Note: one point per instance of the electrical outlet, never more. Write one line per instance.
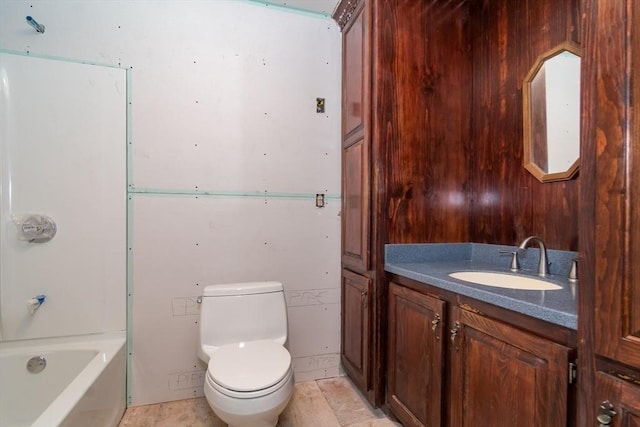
(319, 200)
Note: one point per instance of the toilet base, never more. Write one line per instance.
(262, 411)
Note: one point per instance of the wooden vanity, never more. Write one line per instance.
(461, 354)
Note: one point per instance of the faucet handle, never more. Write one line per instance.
(515, 261)
(573, 272)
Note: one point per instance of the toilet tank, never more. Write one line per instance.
(237, 312)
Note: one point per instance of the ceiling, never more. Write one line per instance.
(325, 7)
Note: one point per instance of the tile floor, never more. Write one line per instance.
(332, 402)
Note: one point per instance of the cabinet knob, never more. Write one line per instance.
(434, 326)
(454, 334)
(606, 414)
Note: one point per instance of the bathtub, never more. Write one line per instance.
(83, 383)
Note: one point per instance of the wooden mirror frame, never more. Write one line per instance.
(528, 128)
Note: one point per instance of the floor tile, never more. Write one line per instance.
(308, 407)
(183, 413)
(348, 406)
(330, 402)
(378, 422)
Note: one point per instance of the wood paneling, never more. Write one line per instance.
(508, 203)
(421, 119)
(447, 122)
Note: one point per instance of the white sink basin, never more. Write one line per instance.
(504, 280)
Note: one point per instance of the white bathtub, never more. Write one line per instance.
(83, 383)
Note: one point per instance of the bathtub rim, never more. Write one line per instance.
(108, 345)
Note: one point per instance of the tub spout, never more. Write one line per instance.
(34, 303)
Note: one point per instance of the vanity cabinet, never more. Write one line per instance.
(451, 365)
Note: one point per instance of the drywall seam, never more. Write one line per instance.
(291, 9)
(222, 193)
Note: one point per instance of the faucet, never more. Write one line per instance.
(543, 264)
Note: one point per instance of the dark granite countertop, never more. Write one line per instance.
(432, 264)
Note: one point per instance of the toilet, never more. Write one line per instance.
(243, 332)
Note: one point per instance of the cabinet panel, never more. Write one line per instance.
(356, 327)
(617, 293)
(496, 366)
(355, 206)
(355, 57)
(623, 396)
(415, 359)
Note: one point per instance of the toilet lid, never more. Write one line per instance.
(249, 366)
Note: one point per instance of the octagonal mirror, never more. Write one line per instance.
(551, 95)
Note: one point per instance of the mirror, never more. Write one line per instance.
(551, 95)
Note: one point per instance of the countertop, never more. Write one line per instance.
(431, 263)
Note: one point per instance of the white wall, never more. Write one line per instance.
(226, 155)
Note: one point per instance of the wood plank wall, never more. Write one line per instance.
(509, 203)
(448, 121)
(423, 119)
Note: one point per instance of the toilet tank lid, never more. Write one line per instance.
(242, 289)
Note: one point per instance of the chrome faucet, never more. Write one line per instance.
(543, 264)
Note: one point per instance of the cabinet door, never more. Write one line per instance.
(616, 245)
(502, 376)
(355, 327)
(355, 73)
(624, 398)
(415, 359)
(355, 206)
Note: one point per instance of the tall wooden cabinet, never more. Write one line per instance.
(359, 331)
(610, 226)
(399, 185)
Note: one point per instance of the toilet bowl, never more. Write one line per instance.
(249, 378)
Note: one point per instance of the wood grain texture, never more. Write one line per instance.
(355, 206)
(585, 411)
(508, 203)
(415, 384)
(421, 119)
(495, 366)
(356, 319)
(611, 302)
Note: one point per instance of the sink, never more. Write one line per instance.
(505, 280)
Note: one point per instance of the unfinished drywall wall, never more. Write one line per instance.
(226, 156)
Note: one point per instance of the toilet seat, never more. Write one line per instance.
(210, 382)
(249, 369)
